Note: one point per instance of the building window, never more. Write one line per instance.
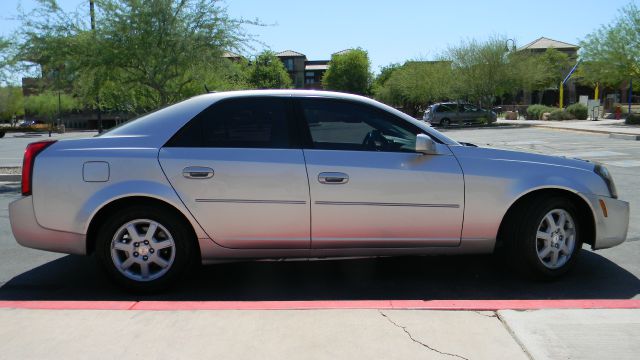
(309, 81)
(288, 64)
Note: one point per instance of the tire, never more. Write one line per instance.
(153, 259)
(543, 238)
(445, 122)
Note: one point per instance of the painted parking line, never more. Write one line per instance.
(623, 163)
(525, 142)
(592, 154)
(475, 305)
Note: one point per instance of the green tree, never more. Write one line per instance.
(268, 72)
(481, 70)
(5, 59)
(531, 71)
(611, 54)
(147, 53)
(415, 84)
(350, 72)
(46, 105)
(11, 102)
(385, 74)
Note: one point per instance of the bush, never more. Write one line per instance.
(511, 115)
(578, 111)
(633, 119)
(558, 114)
(534, 112)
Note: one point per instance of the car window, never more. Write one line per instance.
(470, 108)
(341, 125)
(238, 123)
(446, 108)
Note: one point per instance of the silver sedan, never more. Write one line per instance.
(300, 174)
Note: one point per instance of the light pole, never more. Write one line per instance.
(92, 14)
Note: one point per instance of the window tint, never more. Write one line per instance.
(340, 125)
(446, 108)
(470, 108)
(242, 123)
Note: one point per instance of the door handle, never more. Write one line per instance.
(333, 178)
(197, 172)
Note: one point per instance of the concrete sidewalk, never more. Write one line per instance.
(600, 126)
(320, 334)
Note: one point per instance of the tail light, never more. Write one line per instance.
(30, 154)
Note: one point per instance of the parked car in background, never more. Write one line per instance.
(26, 123)
(303, 174)
(445, 114)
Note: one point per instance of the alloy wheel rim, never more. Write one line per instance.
(143, 250)
(555, 238)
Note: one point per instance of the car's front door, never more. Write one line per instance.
(368, 186)
(237, 170)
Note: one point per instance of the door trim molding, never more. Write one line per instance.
(366, 203)
(254, 201)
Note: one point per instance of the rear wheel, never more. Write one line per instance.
(144, 249)
(544, 237)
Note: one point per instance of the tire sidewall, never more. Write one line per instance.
(527, 249)
(181, 238)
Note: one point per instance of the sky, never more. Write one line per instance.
(394, 31)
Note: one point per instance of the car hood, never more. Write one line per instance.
(520, 156)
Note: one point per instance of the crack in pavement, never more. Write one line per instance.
(404, 328)
(485, 315)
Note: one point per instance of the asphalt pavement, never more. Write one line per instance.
(12, 145)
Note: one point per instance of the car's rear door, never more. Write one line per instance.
(471, 113)
(369, 188)
(237, 169)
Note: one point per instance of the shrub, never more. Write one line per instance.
(534, 112)
(511, 115)
(578, 111)
(633, 119)
(558, 114)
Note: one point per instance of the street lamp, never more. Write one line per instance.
(92, 15)
(506, 45)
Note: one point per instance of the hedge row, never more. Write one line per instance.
(633, 119)
(575, 111)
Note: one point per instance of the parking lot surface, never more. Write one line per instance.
(27, 274)
(12, 145)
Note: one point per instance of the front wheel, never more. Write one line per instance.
(545, 238)
(144, 249)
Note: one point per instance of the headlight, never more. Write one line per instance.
(606, 176)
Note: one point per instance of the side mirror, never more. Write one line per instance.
(425, 144)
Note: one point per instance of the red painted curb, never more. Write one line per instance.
(489, 305)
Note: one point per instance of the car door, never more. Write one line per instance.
(368, 186)
(449, 112)
(471, 113)
(236, 168)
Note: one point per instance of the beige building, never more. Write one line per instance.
(305, 74)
